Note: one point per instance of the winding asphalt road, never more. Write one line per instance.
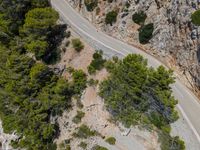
(189, 105)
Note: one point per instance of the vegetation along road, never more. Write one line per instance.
(188, 104)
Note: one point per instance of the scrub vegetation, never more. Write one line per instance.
(196, 17)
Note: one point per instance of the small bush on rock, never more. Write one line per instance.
(77, 45)
(145, 33)
(111, 140)
(139, 17)
(196, 17)
(111, 17)
(90, 4)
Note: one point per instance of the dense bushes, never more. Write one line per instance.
(34, 30)
(79, 81)
(135, 94)
(91, 4)
(111, 17)
(40, 24)
(77, 45)
(83, 145)
(97, 147)
(13, 14)
(31, 99)
(196, 17)
(111, 140)
(84, 132)
(38, 48)
(170, 143)
(139, 17)
(134, 89)
(30, 93)
(78, 117)
(40, 19)
(97, 62)
(33, 94)
(145, 33)
(109, 1)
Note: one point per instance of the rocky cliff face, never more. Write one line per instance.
(175, 38)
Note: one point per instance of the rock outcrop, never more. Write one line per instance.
(176, 41)
(5, 139)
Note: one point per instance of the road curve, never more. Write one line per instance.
(189, 104)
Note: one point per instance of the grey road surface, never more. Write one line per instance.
(188, 104)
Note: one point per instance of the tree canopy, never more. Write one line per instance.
(40, 18)
(137, 95)
(146, 33)
(111, 17)
(31, 94)
(37, 47)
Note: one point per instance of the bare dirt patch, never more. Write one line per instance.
(74, 59)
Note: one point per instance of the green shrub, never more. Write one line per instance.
(170, 143)
(67, 34)
(111, 140)
(39, 48)
(109, 1)
(97, 62)
(79, 80)
(97, 147)
(196, 17)
(77, 45)
(39, 3)
(40, 19)
(109, 65)
(40, 73)
(68, 147)
(145, 33)
(111, 17)
(70, 69)
(91, 69)
(83, 145)
(90, 4)
(92, 82)
(79, 103)
(127, 5)
(139, 17)
(61, 145)
(84, 132)
(78, 117)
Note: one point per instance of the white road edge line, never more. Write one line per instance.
(178, 106)
(89, 34)
(189, 123)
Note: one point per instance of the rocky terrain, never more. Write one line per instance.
(175, 38)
